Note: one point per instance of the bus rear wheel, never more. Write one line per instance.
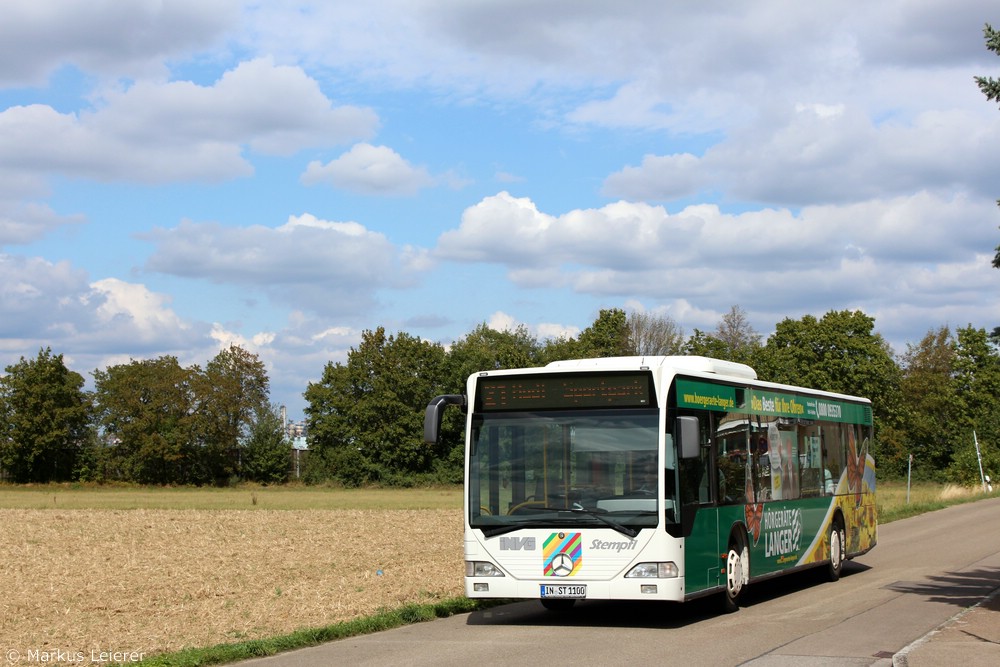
(737, 573)
(837, 541)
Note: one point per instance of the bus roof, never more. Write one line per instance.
(691, 364)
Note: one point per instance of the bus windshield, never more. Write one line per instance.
(565, 468)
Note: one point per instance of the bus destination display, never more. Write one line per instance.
(548, 392)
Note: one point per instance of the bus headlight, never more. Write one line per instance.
(653, 571)
(481, 568)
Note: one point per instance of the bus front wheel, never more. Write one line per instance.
(837, 545)
(737, 573)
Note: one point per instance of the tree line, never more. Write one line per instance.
(155, 422)
(148, 421)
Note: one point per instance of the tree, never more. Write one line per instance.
(736, 332)
(991, 88)
(266, 449)
(485, 349)
(145, 410)
(561, 348)
(608, 336)
(931, 404)
(44, 419)
(653, 335)
(734, 339)
(366, 417)
(977, 392)
(988, 85)
(839, 352)
(231, 391)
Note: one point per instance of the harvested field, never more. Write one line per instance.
(160, 580)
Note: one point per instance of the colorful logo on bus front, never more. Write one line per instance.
(562, 554)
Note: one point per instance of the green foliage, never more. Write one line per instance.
(160, 423)
(704, 344)
(486, 349)
(366, 417)
(145, 409)
(931, 405)
(558, 349)
(165, 424)
(44, 419)
(266, 449)
(988, 85)
(977, 396)
(991, 88)
(230, 393)
(964, 468)
(839, 352)
(608, 336)
(378, 622)
(734, 339)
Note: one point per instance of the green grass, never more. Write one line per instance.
(896, 502)
(225, 653)
(292, 497)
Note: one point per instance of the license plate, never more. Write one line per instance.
(564, 591)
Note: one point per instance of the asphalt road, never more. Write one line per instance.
(923, 572)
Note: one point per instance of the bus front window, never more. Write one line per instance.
(564, 469)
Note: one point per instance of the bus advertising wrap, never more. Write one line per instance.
(720, 397)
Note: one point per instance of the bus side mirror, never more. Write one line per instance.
(432, 415)
(688, 436)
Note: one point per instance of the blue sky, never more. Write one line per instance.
(179, 176)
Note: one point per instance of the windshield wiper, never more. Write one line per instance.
(603, 517)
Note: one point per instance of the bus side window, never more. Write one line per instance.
(732, 458)
(834, 447)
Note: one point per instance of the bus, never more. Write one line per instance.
(656, 478)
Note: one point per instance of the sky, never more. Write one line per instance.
(177, 176)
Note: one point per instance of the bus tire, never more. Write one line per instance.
(837, 541)
(557, 604)
(737, 572)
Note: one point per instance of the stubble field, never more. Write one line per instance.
(157, 580)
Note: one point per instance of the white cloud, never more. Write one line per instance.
(105, 37)
(134, 312)
(37, 296)
(307, 263)
(370, 170)
(820, 154)
(29, 221)
(501, 321)
(871, 255)
(94, 324)
(660, 177)
(180, 131)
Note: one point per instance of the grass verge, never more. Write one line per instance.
(386, 620)
(896, 501)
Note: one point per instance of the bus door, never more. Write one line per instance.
(702, 560)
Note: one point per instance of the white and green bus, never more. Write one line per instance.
(656, 478)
